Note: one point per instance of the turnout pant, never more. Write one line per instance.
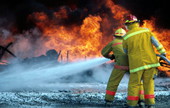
(147, 76)
(113, 83)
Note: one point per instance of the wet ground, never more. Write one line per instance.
(77, 95)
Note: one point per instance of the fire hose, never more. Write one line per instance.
(167, 64)
(164, 58)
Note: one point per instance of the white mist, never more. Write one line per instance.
(21, 77)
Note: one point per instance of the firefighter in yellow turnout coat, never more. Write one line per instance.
(138, 44)
(120, 66)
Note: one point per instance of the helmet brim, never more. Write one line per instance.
(118, 35)
(128, 23)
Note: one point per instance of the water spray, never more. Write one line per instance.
(18, 77)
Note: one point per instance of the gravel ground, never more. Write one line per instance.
(86, 95)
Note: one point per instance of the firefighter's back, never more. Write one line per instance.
(140, 49)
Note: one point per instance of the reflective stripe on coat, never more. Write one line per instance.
(140, 50)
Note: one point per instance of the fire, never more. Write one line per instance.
(62, 14)
(75, 41)
(163, 36)
(3, 62)
(118, 11)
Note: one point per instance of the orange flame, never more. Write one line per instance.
(118, 11)
(82, 41)
(62, 14)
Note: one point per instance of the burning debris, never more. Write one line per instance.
(51, 56)
(5, 49)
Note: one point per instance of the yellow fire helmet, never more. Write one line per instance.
(120, 32)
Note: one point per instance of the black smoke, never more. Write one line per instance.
(145, 9)
(14, 14)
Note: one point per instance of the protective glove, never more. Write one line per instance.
(112, 56)
(164, 54)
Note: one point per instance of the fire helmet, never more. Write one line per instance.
(131, 19)
(120, 32)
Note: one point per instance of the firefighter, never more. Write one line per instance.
(120, 66)
(138, 44)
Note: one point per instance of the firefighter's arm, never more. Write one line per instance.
(158, 45)
(106, 51)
